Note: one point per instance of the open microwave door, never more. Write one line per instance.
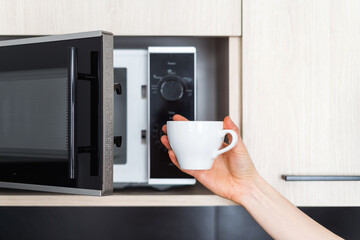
(56, 113)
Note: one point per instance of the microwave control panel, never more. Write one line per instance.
(171, 91)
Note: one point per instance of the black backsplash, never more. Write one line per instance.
(210, 223)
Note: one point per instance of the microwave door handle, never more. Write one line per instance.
(72, 82)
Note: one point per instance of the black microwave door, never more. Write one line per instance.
(56, 113)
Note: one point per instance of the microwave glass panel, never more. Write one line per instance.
(34, 113)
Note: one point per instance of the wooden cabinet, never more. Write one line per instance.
(297, 103)
(122, 17)
(301, 96)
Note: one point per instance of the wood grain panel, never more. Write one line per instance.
(196, 195)
(235, 79)
(121, 17)
(112, 201)
(301, 95)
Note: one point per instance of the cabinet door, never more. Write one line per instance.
(301, 96)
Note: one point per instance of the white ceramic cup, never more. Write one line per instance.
(196, 143)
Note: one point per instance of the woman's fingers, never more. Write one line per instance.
(229, 124)
(175, 161)
(178, 117)
(165, 140)
(164, 129)
(173, 158)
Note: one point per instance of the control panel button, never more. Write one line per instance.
(172, 89)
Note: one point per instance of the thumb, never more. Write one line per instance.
(229, 124)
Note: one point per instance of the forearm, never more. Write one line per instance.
(278, 216)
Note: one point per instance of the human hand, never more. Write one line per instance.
(232, 173)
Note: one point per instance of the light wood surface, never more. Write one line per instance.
(181, 196)
(301, 95)
(235, 79)
(122, 17)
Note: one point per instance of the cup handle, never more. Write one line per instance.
(231, 145)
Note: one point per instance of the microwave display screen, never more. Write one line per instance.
(34, 114)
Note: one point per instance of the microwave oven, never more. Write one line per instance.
(57, 113)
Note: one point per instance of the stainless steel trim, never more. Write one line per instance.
(72, 82)
(54, 38)
(320, 178)
(44, 188)
(108, 113)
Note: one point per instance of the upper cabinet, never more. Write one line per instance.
(122, 17)
(301, 97)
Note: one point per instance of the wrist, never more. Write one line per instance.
(247, 190)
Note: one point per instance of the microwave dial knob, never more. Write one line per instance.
(172, 88)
